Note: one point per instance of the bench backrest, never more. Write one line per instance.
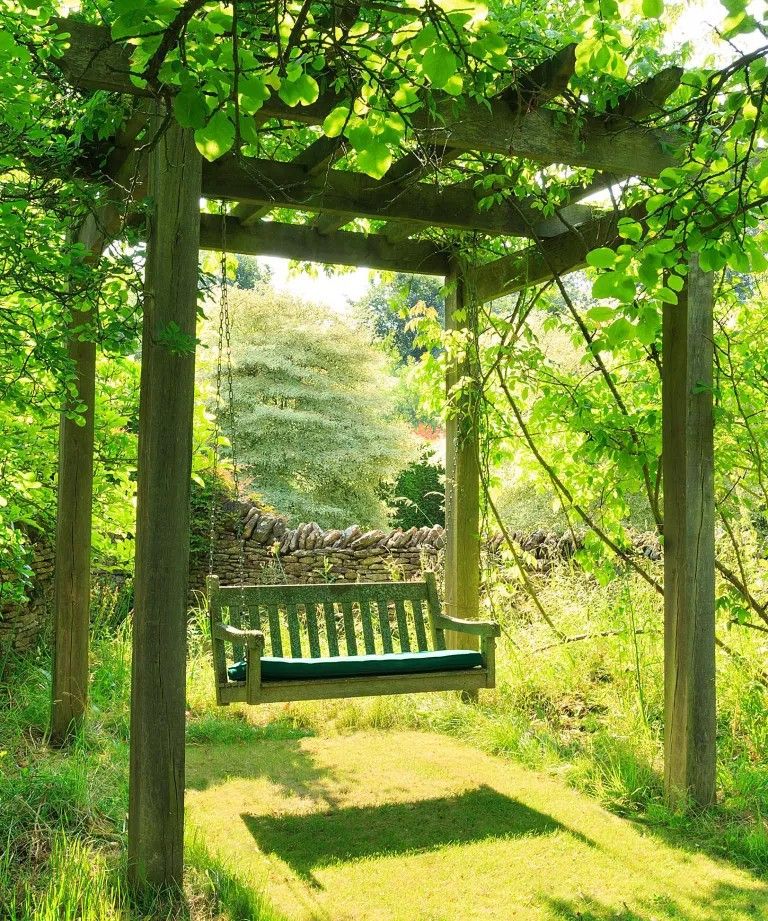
(332, 619)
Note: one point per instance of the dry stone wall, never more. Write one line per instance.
(22, 623)
(273, 552)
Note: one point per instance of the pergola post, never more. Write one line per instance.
(689, 544)
(156, 794)
(72, 570)
(462, 476)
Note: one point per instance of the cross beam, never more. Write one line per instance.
(273, 184)
(558, 255)
(298, 241)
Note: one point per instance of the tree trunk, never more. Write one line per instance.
(156, 795)
(689, 545)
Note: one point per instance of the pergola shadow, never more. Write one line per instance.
(723, 901)
(319, 839)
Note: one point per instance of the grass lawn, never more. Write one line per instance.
(414, 826)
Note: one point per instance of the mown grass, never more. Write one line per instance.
(589, 711)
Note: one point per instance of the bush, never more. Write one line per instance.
(417, 496)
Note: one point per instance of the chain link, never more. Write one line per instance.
(224, 367)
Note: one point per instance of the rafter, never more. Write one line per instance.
(296, 241)
(544, 136)
(314, 159)
(543, 83)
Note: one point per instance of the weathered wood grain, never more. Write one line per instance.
(72, 570)
(689, 544)
(156, 796)
(293, 241)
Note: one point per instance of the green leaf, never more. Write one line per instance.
(190, 109)
(253, 93)
(620, 331)
(653, 9)
(675, 282)
(630, 230)
(439, 64)
(335, 121)
(602, 258)
(375, 159)
(601, 314)
(304, 90)
(614, 284)
(217, 137)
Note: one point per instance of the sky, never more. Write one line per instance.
(696, 23)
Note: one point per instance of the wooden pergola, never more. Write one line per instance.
(323, 198)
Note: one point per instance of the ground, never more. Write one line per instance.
(413, 826)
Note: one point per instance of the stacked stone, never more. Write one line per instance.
(271, 551)
(22, 623)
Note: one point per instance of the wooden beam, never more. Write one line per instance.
(297, 241)
(93, 61)
(542, 261)
(689, 544)
(462, 479)
(647, 99)
(72, 570)
(540, 85)
(286, 185)
(545, 82)
(315, 159)
(156, 793)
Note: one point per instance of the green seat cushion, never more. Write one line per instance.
(393, 663)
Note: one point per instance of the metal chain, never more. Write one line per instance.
(217, 424)
(226, 323)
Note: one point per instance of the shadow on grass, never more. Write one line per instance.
(715, 904)
(307, 842)
(281, 761)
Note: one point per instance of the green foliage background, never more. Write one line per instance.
(315, 432)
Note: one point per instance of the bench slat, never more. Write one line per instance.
(275, 636)
(422, 641)
(294, 631)
(349, 628)
(320, 592)
(236, 620)
(402, 626)
(331, 631)
(384, 625)
(365, 618)
(312, 632)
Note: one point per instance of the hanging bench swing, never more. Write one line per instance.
(260, 633)
(313, 642)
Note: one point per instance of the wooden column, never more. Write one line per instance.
(689, 544)
(156, 795)
(72, 572)
(462, 480)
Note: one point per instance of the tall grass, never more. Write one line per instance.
(63, 813)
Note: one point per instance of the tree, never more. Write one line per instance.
(314, 425)
(418, 494)
(387, 307)
(249, 273)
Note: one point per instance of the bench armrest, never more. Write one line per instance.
(253, 639)
(474, 627)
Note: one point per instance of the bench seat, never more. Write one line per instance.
(409, 663)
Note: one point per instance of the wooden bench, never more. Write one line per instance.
(379, 626)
